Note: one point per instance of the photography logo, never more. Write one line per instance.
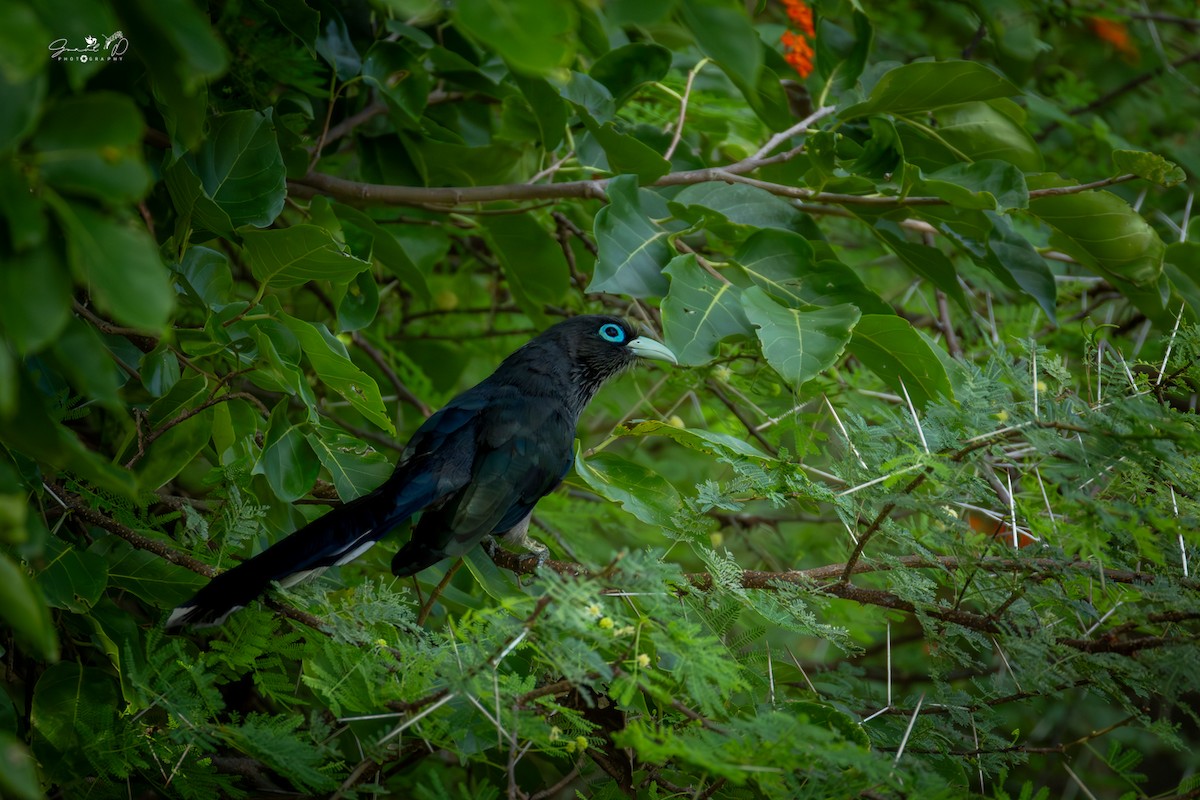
(113, 49)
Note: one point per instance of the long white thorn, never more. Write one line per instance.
(845, 433)
(908, 731)
(1035, 382)
(1170, 343)
(916, 420)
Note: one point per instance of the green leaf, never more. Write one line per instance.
(890, 347)
(35, 298)
(640, 491)
(717, 444)
(533, 36)
(840, 56)
(627, 154)
(354, 466)
(385, 247)
(147, 576)
(192, 204)
(746, 206)
(533, 263)
(549, 110)
(1152, 167)
(167, 455)
(1102, 231)
(699, 311)
(206, 272)
(22, 52)
(24, 210)
(83, 358)
(781, 263)
(22, 100)
(333, 366)
(988, 184)
(241, 168)
(72, 579)
(185, 393)
(287, 459)
(74, 706)
(92, 145)
(26, 426)
(24, 610)
(18, 770)
(799, 344)
(926, 85)
(120, 265)
(359, 303)
(1011, 253)
(400, 77)
(971, 132)
(724, 34)
(632, 249)
(293, 256)
(623, 70)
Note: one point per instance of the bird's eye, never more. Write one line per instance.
(612, 333)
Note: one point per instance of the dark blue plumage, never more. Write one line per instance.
(476, 467)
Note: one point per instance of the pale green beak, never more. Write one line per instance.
(648, 348)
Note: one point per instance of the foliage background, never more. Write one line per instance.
(914, 519)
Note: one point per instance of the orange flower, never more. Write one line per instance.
(797, 50)
(799, 13)
(1116, 34)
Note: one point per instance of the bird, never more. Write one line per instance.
(475, 468)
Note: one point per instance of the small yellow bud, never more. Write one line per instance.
(570, 747)
(1001, 415)
(676, 421)
(555, 733)
(717, 538)
(594, 609)
(1042, 386)
(643, 660)
(581, 742)
(381, 643)
(722, 373)
(607, 623)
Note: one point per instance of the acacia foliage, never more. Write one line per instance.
(912, 520)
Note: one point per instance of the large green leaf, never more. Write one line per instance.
(928, 262)
(355, 467)
(973, 132)
(144, 574)
(92, 145)
(533, 262)
(35, 298)
(18, 770)
(716, 444)
(989, 184)
(241, 168)
(333, 366)
(1150, 166)
(72, 579)
(385, 247)
(1102, 231)
(193, 206)
(926, 85)
(799, 344)
(642, 492)
(633, 248)
(782, 264)
(24, 611)
(400, 77)
(292, 256)
(749, 207)
(699, 312)
(120, 265)
(75, 706)
(533, 36)
(167, 455)
(627, 154)
(891, 348)
(287, 459)
(623, 70)
(724, 34)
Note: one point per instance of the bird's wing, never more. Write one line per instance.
(522, 451)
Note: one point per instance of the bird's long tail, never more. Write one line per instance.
(338, 537)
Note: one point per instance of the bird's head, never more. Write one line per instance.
(595, 347)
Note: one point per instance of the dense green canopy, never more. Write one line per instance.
(915, 516)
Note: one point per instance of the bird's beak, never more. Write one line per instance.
(648, 348)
